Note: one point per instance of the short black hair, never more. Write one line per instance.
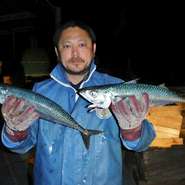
(73, 23)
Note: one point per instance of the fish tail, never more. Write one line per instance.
(86, 136)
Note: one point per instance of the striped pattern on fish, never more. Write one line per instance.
(48, 109)
(102, 96)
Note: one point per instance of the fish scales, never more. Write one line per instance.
(44, 106)
(47, 109)
(102, 96)
(155, 92)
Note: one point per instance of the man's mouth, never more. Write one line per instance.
(76, 61)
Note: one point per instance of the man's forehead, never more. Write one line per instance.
(74, 33)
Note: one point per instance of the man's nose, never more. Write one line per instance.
(75, 52)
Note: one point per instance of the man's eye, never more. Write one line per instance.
(66, 46)
(82, 45)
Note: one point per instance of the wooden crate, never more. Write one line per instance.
(164, 161)
(169, 125)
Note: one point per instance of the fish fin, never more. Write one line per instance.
(180, 91)
(44, 116)
(118, 98)
(132, 81)
(47, 118)
(91, 107)
(163, 85)
(86, 137)
(161, 103)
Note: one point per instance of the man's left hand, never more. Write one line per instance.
(130, 113)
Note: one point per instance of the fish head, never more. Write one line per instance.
(98, 97)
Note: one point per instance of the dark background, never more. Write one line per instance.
(134, 40)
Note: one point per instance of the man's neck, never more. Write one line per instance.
(76, 79)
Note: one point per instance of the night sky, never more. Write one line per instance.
(136, 40)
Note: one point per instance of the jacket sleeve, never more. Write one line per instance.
(24, 145)
(147, 136)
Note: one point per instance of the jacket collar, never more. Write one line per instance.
(59, 75)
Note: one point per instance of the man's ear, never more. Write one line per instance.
(56, 51)
(94, 48)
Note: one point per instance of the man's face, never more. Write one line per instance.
(75, 50)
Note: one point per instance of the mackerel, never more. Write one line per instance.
(47, 109)
(102, 96)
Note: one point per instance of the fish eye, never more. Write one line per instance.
(93, 94)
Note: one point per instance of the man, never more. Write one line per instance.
(61, 157)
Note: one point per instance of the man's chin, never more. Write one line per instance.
(76, 72)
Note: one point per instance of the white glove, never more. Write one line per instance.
(18, 113)
(130, 112)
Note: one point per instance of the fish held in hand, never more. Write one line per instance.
(47, 109)
(102, 96)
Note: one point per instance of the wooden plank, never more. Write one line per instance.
(164, 132)
(166, 116)
(169, 124)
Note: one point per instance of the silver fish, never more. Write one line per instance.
(47, 109)
(102, 96)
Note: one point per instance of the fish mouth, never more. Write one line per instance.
(85, 97)
(80, 92)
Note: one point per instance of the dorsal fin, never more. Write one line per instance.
(132, 81)
(163, 85)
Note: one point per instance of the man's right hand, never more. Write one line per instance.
(18, 113)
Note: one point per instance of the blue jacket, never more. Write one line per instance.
(61, 158)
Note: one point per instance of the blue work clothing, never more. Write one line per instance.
(61, 157)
